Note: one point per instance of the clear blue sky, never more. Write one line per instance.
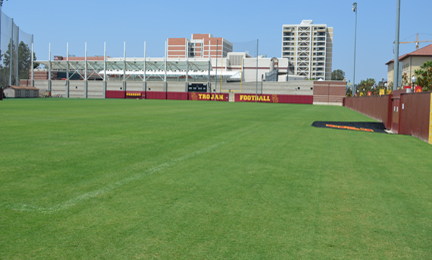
(135, 21)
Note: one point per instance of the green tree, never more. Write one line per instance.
(366, 85)
(405, 80)
(348, 90)
(24, 63)
(424, 76)
(338, 75)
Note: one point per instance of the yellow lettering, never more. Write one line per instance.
(199, 95)
(268, 98)
(208, 96)
(249, 98)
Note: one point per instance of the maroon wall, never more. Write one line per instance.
(115, 94)
(415, 115)
(272, 98)
(156, 95)
(403, 113)
(177, 95)
(376, 107)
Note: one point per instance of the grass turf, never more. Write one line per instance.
(149, 179)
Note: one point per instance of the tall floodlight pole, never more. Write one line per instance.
(105, 73)
(355, 42)
(1, 4)
(217, 47)
(67, 71)
(32, 61)
(17, 81)
(11, 53)
(85, 73)
(187, 64)
(144, 79)
(49, 69)
(209, 64)
(165, 84)
(396, 57)
(124, 66)
(256, 81)
(166, 54)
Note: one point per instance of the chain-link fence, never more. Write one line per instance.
(15, 52)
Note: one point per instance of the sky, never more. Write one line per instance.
(137, 21)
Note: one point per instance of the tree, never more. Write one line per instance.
(338, 75)
(405, 80)
(24, 63)
(366, 85)
(349, 89)
(424, 76)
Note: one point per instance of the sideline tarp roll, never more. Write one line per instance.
(354, 126)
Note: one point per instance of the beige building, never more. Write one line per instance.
(408, 63)
(310, 48)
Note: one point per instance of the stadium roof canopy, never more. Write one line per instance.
(131, 64)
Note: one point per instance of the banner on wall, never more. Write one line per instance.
(273, 98)
(209, 96)
(258, 98)
(135, 94)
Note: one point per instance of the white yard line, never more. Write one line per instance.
(108, 188)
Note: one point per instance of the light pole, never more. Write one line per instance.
(354, 8)
(396, 56)
(413, 80)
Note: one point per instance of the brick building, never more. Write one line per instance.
(198, 46)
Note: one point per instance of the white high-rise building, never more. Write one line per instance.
(310, 48)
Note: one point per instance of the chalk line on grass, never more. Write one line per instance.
(110, 187)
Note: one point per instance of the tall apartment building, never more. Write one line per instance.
(198, 46)
(310, 48)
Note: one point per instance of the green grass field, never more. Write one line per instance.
(149, 179)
